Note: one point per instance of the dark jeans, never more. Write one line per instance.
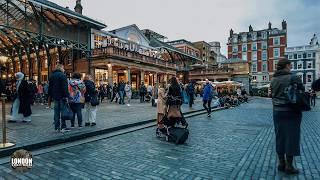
(58, 105)
(142, 98)
(76, 109)
(191, 98)
(205, 103)
(313, 101)
(114, 96)
(121, 94)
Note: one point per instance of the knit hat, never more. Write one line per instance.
(19, 76)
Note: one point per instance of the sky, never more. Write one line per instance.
(208, 20)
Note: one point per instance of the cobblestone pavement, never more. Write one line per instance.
(109, 115)
(236, 143)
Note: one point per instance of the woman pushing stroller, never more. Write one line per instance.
(169, 107)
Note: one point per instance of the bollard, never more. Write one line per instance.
(4, 143)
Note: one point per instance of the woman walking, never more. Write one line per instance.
(76, 89)
(91, 111)
(128, 92)
(161, 105)
(21, 107)
(286, 120)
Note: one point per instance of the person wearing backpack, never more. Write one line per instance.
(91, 111)
(207, 97)
(287, 120)
(76, 100)
(21, 107)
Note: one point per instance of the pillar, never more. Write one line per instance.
(110, 75)
(129, 75)
(155, 88)
(165, 78)
(142, 76)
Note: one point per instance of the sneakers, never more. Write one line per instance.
(87, 124)
(93, 124)
(209, 115)
(65, 130)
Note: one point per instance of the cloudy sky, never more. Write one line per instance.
(208, 20)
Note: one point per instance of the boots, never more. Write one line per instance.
(282, 163)
(289, 169)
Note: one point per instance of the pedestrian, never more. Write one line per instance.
(34, 90)
(238, 91)
(190, 92)
(102, 92)
(91, 111)
(58, 92)
(46, 92)
(115, 92)
(149, 90)
(142, 91)
(128, 91)
(174, 102)
(40, 93)
(21, 107)
(287, 121)
(121, 89)
(207, 97)
(76, 100)
(109, 89)
(161, 104)
(313, 98)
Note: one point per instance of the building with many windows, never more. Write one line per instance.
(262, 49)
(305, 61)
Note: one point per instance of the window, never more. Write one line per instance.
(254, 67)
(300, 65)
(244, 38)
(314, 54)
(276, 41)
(264, 35)
(295, 56)
(309, 65)
(309, 78)
(244, 47)
(264, 78)
(264, 55)
(299, 56)
(254, 46)
(264, 67)
(304, 55)
(309, 55)
(254, 56)
(275, 62)
(254, 77)
(276, 52)
(290, 56)
(235, 48)
(264, 45)
(244, 56)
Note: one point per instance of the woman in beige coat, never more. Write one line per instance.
(161, 104)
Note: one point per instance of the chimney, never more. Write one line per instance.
(78, 8)
(269, 26)
(250, 28)
(231, 32)
(284, 25)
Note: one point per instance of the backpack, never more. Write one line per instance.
(296, 97)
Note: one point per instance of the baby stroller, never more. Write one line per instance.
(175, 129)
(147, 97)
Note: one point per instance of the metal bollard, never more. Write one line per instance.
(4, 143)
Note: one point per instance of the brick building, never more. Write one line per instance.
(262, 49)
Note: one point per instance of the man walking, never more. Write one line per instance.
(143, 91)
(58, 92)
(190, 91)
(121, 92)
(207, 97)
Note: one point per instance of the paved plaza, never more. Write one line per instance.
(109, 115)
(237, 143)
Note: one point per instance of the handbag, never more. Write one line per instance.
(174, 111)
(297, 97)
(94, 101)
(66, 113)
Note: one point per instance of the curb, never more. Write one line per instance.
(71, 138)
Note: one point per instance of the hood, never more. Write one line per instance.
(281, 73)
(76, 82)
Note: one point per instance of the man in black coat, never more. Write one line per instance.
(190, 92)
(121, 92)
(143, 91)
(58, 92)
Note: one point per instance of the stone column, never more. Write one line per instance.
(142, 76)
(129, 75)
(155, 88)
(165, 78)
(110, 75)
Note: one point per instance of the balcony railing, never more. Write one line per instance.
(135, 56)
(217, 71)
